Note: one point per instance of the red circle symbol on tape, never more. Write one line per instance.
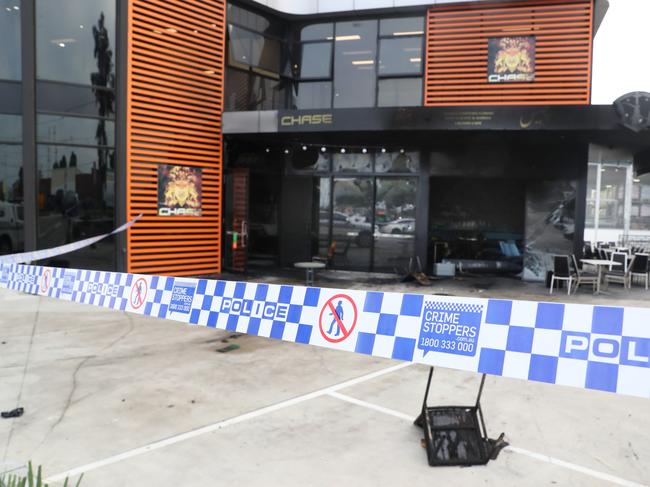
(139, 291)
(46, 280)
(338, 318)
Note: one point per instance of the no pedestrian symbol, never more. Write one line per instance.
(139, 293)
(338, 318)
(45, 280)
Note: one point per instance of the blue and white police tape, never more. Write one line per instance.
(62, 249)
(605, 348)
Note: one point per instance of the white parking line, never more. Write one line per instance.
(537, 456)
(222, 424)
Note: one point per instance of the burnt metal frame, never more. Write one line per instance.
(476, 411)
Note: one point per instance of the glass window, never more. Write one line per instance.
(352, 221)
(75, 41)
(74, 130)
(399, 92)
(266, 54)
(352, 162)
(395, 221)
(316, 60)
(354, 64)
(405, 26)
(592, 188)
(397, 162)
(400, 56)
(240, 44)
(10, 63)
(11, 128)
(324, 192)
(315, 94)
(317, 32)
(11, 199)
(58, 98)
(11, 97)
(612, 200)
(76, 200)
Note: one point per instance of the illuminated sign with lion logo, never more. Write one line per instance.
(179, 190)
(511, 59)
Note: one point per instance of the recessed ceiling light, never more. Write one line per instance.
(169, 29)
(16, 7)
(61, 44)
(364, 150)
(636, 180)
(156, 31)
(342, 150)
(415, 59)
(323, 149)
(208, 71)
(409, 33)
(81, 26)
(8, 9)
(363, 62)
(304, 147)
(383, 150)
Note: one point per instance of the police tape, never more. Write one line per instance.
(604, 348)
(62, 249)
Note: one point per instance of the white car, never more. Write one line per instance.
(401, 225)
(11, 228)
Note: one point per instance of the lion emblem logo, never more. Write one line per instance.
(179, 191)
(511, 59)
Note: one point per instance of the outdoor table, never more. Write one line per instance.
(599, 263)
(309, 270)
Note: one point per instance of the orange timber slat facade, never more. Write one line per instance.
(175, 83)
(457, 53)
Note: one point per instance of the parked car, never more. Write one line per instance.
(11, 227)
(401, 225)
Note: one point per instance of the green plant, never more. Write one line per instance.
(30, 480)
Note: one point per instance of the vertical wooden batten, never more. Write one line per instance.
(175, 75)
(457, 52)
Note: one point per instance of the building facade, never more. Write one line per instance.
(256, 134)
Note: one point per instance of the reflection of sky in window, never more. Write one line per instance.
(11, 128)
(65, 43)
(10, 64)
(73, 130)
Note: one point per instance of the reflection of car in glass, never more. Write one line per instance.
(401, 225)
(11, 227)
(346, 227)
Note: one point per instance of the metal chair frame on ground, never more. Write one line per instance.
(639, 268)
(622, 274)
(583, 277)
(561, 272)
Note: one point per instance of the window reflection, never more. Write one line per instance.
(397, 162)
(76, 200)
(316, 60)
(315, 94)
(59, 98)
(11, 199)
(74, 130)
(317, 32)
(399, 92)
(404, 26)
(11, 128)
(10, 62)
(400, 56)
(75, 41)
(352, 162)
(352, 221)
(355, 55)
(395, 222)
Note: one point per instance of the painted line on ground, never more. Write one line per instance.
(537, 456)
(222, 424)
(368, 405)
